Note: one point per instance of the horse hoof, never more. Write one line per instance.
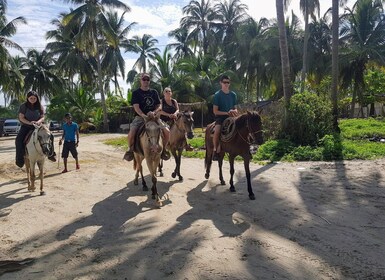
(173, 175)
(252, 196)
(135, 182)
(180, 178)
(232, 189)
(223, 183)
(161, 174)
(153, 196)
(207, 176)
(42, 193)
(145, 188)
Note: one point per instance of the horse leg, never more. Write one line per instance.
(160, 167)
(178, 160)
(28, 170)
(220, 163)
(247, 171)
(41, 175)
(175, 155)
(144, 184)
(231, 160)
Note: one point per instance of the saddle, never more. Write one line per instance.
(27, 137)
(227, 129)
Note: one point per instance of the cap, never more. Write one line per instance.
(68, 115)
(145, 75)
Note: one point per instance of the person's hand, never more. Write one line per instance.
(151, 114)
(233, 113)
(60, 141)
(77, 144)
(172, 116)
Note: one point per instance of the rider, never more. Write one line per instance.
(31, 113)
(145, 101)
(169, 111)
(224, 103)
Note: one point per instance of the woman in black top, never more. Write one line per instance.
(169, 111)
(30, 112)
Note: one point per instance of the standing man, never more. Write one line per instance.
(146, 102)
(71, 141)
(224, 103)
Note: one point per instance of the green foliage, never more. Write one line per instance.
(274, 150)
(362, 128)
(310, 118)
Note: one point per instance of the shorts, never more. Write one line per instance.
(138, 121)
(69, 146)
(220, 119)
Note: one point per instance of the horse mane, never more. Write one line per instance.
(241, 120)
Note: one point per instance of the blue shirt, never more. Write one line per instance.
(225, 101)
(70, 131)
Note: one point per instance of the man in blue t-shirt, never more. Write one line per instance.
(224, 103)
(71, 141)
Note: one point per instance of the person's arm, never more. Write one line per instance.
(62, 137)
(138, 110)
(219, 113)
(77, 135)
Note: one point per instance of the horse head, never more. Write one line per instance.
(45, 139)
(185, 122)
(152, 130)
(254, 126)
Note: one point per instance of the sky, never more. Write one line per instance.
(156, 17)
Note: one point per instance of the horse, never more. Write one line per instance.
(38, 147)
(242, 131)
(184, 124)
(149, 146)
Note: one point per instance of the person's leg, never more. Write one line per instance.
(217, 132)
(64, 155)
(52, 157)
(20, 146)
(74, 153)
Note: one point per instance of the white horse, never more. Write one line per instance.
(39, 146)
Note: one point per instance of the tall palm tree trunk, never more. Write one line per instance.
(334, 95)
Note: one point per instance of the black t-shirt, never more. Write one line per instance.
(171, 109)
(148, 100)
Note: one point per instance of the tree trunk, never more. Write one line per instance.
(334, 93)
(304, 57)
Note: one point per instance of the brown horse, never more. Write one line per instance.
(39, 146)
(149, 147)
(184, 124)
(246, 129)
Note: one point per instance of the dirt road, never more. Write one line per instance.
(309, 221)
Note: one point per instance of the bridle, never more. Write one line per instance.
(251, 133)
(46, 147)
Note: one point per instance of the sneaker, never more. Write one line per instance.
(189, 148)
(77, 166)
(129, 155)
(165, 155)
(215, 156)
(64, 171)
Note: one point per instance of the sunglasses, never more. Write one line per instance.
(226, 82)
(145, 79)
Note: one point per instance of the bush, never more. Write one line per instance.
(310, 118)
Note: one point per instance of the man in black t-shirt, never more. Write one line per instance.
(146, 102)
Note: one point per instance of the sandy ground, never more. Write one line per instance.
(310, 220)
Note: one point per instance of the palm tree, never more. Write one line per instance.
(7, 30)
(94, 30)
(230, 16)
(308, 7)
(145, 47)
(287, 89)
(39, 74)
(113, 61)
(363, 33)
(183, 43)
(198, 21)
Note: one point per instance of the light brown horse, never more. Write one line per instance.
(149, 147)
(247, 130)
(184, 124)
(39, 146)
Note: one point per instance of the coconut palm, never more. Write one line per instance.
(94, 30)
(198, 20)
(363, 37)
(182, 44)
(308, 8)
(113, 61)
(145, 47)
(7, 30)
(39, 74)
